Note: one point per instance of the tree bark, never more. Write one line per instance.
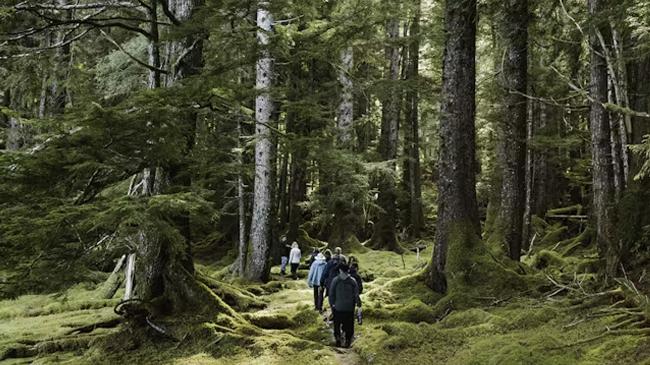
(363, 128)
(530, 178)
(640, 101)
(258, 265)
(458, 220)
(14, 139)
(384, 236)
(602, 172)
(346, 105)
(514, 30)
(161, 276)
(54, 93)
(412, 174)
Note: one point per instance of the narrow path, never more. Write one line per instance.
(296, 294)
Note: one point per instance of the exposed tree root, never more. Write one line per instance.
(21, 351)
(91, 327)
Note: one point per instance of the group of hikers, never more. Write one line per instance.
(336, 277)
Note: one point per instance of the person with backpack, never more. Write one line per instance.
(343, 298)
(294, 259)
(331, 269)
(313, 279)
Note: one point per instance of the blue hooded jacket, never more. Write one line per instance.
(316, 271)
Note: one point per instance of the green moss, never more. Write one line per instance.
(547, 258)
(620, 350)
(275, 321)
(415, 311)
(470, 317)
(553, 235)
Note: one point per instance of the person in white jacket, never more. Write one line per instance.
(294, 259)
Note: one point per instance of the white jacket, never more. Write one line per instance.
(294, 256)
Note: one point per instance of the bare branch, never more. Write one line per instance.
(132, 57)
(93, 23)
(63, 43)
(108, 4)
(609, 106)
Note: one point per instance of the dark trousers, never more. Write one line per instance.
(345, 320)
(294, 269)
(318, 298)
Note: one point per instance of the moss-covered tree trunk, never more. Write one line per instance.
(164, 275)
(601, 149)
(384, 236)
(258, 266)
(514, 32)
(457, 206)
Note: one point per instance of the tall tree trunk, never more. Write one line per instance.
(514, 30)
(412, 174)
(363, 128)
(384, 236)
(242, 258)
(602, 172)
(615, 141)
(11, 123)
(346, 105)
(258, 265)
(298, 127)
(283, 196)
(160, 275)
(458, 221)
(530, 177)
(54, 93)
(640, 101)
(624, 99)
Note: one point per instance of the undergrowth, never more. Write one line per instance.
(551, 309)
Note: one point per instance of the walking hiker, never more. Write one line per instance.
(321, 286)
(343, 298)
(294, 259)
(331, 269)
(313, 279)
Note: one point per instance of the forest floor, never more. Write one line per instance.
(399, 327)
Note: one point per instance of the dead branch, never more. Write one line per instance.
(132, 57)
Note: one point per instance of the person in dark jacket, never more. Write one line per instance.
(343, 298)
(331, 270)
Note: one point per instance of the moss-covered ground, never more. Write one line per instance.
(402, 324)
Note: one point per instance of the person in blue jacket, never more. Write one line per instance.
(313, 279)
